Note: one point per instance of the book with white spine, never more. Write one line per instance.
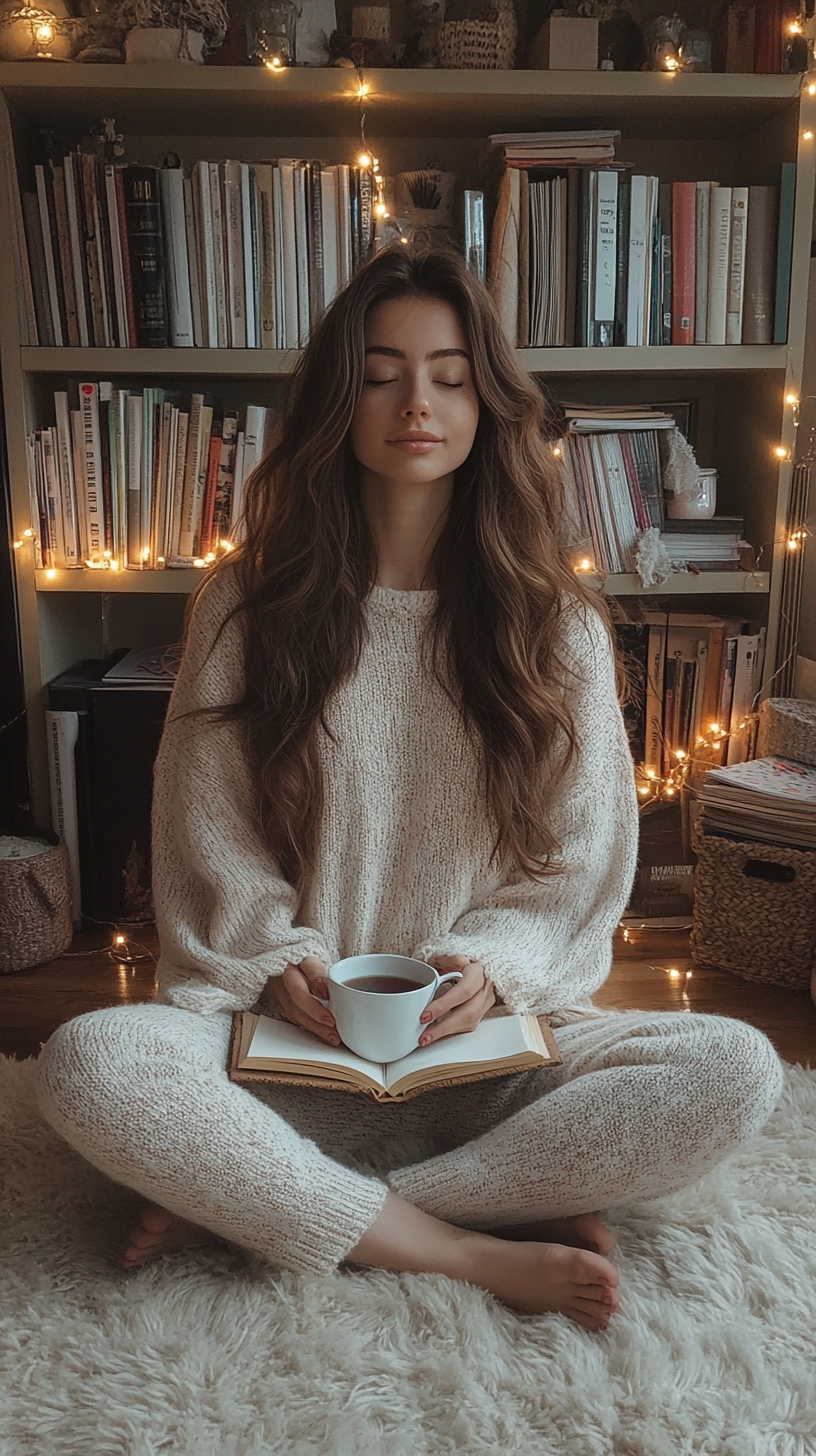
(606, 235)
(280, 284)
(119, 448)
(301, 254)
(719, 255)
(343, 226)
(171, 184)
(53, 499)
(236, 524)
(736, 265)
(637, 319)
(206, 254)
(79, 478)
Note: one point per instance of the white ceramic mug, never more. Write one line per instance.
(382, 1027)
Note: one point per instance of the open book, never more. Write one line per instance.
(265, 1049)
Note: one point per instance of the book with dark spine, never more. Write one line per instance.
(757, 317)
(36, 256)
(146, 248)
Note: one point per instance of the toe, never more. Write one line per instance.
(156, 1220)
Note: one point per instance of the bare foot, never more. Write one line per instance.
(534, 1278)
(580, 1231)
(154, 1231)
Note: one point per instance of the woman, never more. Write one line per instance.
(396, 727)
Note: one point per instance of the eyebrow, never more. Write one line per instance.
(435, 354)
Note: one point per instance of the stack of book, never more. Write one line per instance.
(713, 545)
(144, 478)
(772, 800)
(583, 254)
(235, 255)
(690, 673)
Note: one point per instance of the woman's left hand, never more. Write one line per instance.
(460, 1005)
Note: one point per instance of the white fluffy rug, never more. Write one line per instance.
(211, 1353)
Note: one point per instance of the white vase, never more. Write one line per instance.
(164, 45)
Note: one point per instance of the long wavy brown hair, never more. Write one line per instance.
(308, 561)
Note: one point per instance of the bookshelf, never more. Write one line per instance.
(738, 128)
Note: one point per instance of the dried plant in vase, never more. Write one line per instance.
(183, 30)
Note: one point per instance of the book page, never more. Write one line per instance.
(494, 1040)
(279, 1042)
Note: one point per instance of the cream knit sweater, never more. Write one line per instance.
(405, 842)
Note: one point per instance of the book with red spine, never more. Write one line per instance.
(684, 261)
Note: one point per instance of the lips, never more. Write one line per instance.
(415, 436)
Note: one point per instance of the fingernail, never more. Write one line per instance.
(424, 1040)
(426, 1016)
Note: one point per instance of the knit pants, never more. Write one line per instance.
(643, 1104)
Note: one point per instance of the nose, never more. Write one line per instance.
(416, 406)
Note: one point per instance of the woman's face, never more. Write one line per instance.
(417, 380)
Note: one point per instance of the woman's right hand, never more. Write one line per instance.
(296, 992)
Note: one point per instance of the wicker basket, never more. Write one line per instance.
(480, 45)
(754, 909)
(35, 906)
(787, 728)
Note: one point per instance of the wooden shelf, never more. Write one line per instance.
(183, 579)
(261, 363)
(153, 99)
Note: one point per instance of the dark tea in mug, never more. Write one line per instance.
(384, 985)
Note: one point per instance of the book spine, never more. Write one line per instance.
(301, 253)
(266, 239)
(53, 500)
(86, 165)
(92, 454)
(703, 223)
(636, 321)
(65, 459)
(784, 252)
(201, 477)
(222, 509)
(665, 262)
(249, 211)
(366, 183)
(26, 313)
(64, 260)
(206, 252)
(234, 255)
(719, 257)
(736, 265)
(77, 446)
(344, 224)
(119, 289)
(218, 231)
(48, 253)
(135, 416)
(757, 318)
(684, 258)
(73, 209)
(146, 492)
(188, 504)
(36, 255)
(210, 486)
(192, 262)
(182, 436)
(523, 301)
(622, 263)
(144, 228)
(130, 302)
(171, 182)
(606, 244)
(105, 390)
(104, 249)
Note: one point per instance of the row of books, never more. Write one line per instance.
(587, 255)
(692, 674)
(235, 255)
(141, 479)
(613, 466)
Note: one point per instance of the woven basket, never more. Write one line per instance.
(35, 906)
(787, 728)
(480, 45)
(746, 918)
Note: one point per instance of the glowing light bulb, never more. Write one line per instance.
(17, 545)
(791, 399)
(811, 89)
(114, 566)
(781, 452)
(145, 553)
(794, 28)
(807, 136)
(120, 940)
(556, 449)
(274, 64)
(50, 573)
(793, 545)
(198, 561)
(28, 531)
(210, 556)
(44, 34)
(364, 160)
(671, 63)
(226, 545)
(363, 91)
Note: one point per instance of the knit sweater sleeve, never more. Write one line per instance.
(548, 946)
(224, 912)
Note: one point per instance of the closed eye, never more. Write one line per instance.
(443, 382)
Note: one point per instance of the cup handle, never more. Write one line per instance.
(449, 977)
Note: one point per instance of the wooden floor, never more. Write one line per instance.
(652, 971)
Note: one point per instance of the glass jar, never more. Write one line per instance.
(697, 507)
(270, 29)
